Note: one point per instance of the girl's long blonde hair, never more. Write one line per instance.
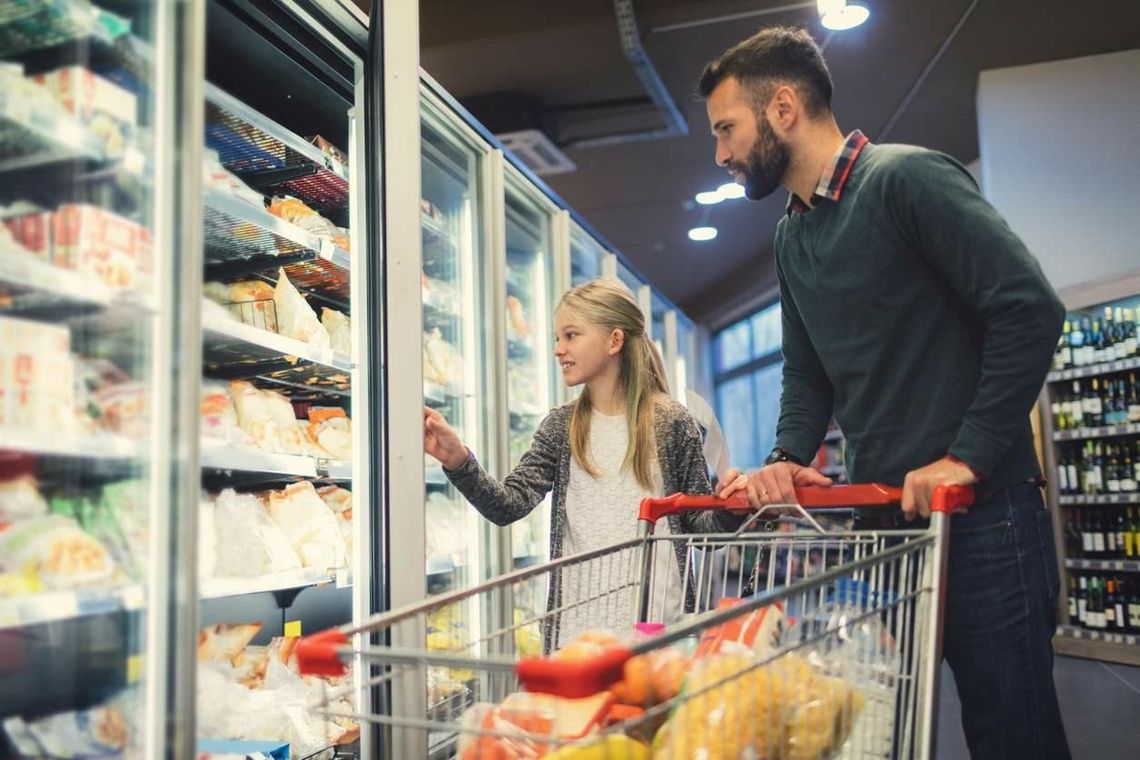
(608, 303)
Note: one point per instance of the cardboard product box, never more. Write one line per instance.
(104, 107)
(37, 377)
(33, 231)
(107, 246)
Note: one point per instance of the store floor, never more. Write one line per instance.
(1100, 704)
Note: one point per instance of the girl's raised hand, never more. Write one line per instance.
(441, 441)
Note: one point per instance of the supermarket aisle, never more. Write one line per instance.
(1099, 703)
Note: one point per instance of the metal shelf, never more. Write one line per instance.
(220, 588)
(1108, 431)
(51, 606)
(1107, 368)
(242, 239)
(1108, 498)
(1073, 641)
(248, 143)
(1106, 565)
(235, 350)
(32, 134)
(433, 228)
(103, 446)
(230, 459)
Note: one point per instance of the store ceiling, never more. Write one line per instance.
(639, 194)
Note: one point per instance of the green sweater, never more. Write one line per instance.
(915, 316)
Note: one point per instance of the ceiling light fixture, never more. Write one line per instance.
(730, 191)
(838, 16)
(702, 234)
(709, 197)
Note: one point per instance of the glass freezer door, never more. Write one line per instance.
(530, 378)
(586, 256)
(80, 374)
(457, 326)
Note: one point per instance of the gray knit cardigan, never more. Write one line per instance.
(546, 467)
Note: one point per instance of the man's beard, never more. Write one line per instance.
(766, 164)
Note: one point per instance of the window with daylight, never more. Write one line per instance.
(747, 374)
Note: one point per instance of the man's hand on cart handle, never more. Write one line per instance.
(441, 441)
(918, 488)
(776, 483)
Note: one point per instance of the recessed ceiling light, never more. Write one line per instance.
(730, 191)
(844, 17)
(701, 234)
(709, 197)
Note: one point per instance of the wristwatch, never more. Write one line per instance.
(782, 455)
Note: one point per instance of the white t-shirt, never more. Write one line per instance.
(601, 512)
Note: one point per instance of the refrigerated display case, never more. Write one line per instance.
(685, 365)
(659, 309)
(531, 392)
(281, 314)
(83, 311)
(629, 278)
(586, 256)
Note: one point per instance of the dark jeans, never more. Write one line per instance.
(1001, 613)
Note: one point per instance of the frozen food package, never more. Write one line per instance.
(20, 499)
(339, 501)
(518, 328)
(219, 417)
(26, 230)
(37, 371)
(125, 409)
(218, 177)
(442, 365)
(330, 431)
(109, 247)
(57, 550)
(310, 525)
(107, 110)
(339, 327)
(248, 541)
(104, 731)
(295, 318)
(267, 418)
(124, 513)
(207, 540)
(225, 642)
(250, 302)
(296, 212)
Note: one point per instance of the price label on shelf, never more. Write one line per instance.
(293, 629)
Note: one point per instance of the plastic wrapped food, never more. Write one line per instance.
(782, 710)
(99, 732)
(218, 177)
(330, 431)
(517, 326)
(125, 409)
(297, 212)
(250, 302)
(339, 501)
(339, 328)
(55, 549)
(267, 418)
(759, 630)
(310, 525)
(225, 641)
(125, 525)
(540, 720)
(219, 420)
(20, 499)
(295, 318)
(442, 364)
(248, 542)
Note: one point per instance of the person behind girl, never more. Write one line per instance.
(623, 439)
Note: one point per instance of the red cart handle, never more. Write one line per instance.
(947, 499)
(319, 654)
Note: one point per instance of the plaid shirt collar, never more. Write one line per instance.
(832, 181)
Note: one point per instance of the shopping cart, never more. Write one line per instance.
(842, 660)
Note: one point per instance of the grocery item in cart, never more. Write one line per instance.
(247, 541)
(295, 318)
(109, 111)
(339, 328)
(539, 722)
(267, 418)
(310, 525)
(57, 551)
(781, 710)
(647, 679)
(760, 630)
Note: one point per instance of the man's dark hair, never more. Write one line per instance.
(773, 56)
